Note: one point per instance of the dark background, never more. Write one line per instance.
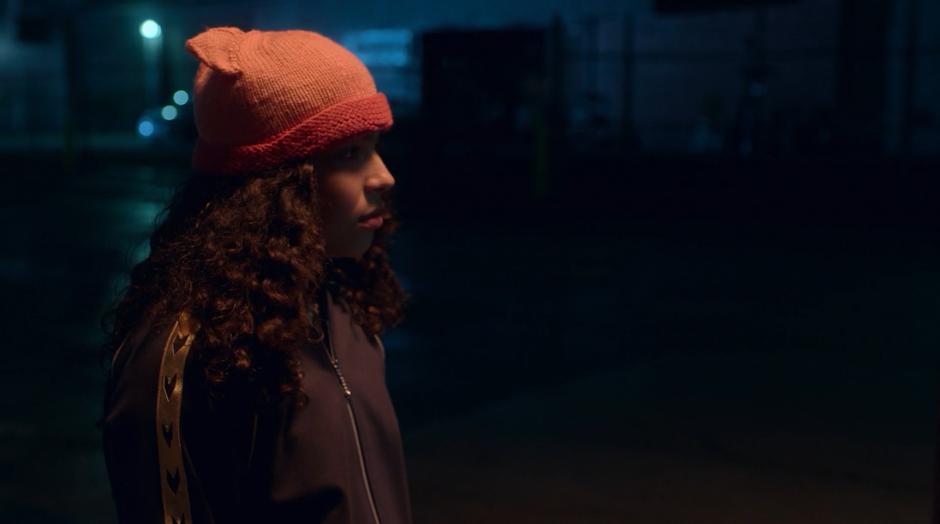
(673, 261)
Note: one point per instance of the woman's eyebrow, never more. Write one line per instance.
(370, 138)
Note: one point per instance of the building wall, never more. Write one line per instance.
(665, 82)
(690, 67)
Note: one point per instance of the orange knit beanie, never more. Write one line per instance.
(263, 98)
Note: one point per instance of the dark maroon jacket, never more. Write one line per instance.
(275, 465)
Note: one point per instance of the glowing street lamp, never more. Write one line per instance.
(150, 29)
(145, 128)
(168, 112)
(152, 35)
(180, 97)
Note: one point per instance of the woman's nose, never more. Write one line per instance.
(381, 179)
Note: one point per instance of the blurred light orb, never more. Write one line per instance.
(180, 97)
(150, 29)
(168, 112)
(145, 128)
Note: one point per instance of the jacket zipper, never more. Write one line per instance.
(347, 393)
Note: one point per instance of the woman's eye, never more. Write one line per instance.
(353, 153)
(349, 153)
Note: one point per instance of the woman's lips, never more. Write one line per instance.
(372, 223)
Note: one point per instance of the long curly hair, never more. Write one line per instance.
(245, 255)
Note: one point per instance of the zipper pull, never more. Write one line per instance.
(342, 379)
(338, 368)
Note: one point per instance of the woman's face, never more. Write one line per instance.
(352, 177)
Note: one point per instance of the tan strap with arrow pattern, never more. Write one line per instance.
(175, 492)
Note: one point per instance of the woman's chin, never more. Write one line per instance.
(356, 249)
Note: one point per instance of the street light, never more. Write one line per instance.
(168, 112)
(145, 128)
(150, 29)
(152, 35)
(180, 97)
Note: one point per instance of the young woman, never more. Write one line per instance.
(248, 382)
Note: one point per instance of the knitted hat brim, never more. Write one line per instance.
(315, 134)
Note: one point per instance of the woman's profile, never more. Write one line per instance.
(248, 373)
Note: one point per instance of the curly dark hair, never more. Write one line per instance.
(245, 255)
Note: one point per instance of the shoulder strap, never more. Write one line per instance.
(109, 386)
(381, 346)
(174, 488)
